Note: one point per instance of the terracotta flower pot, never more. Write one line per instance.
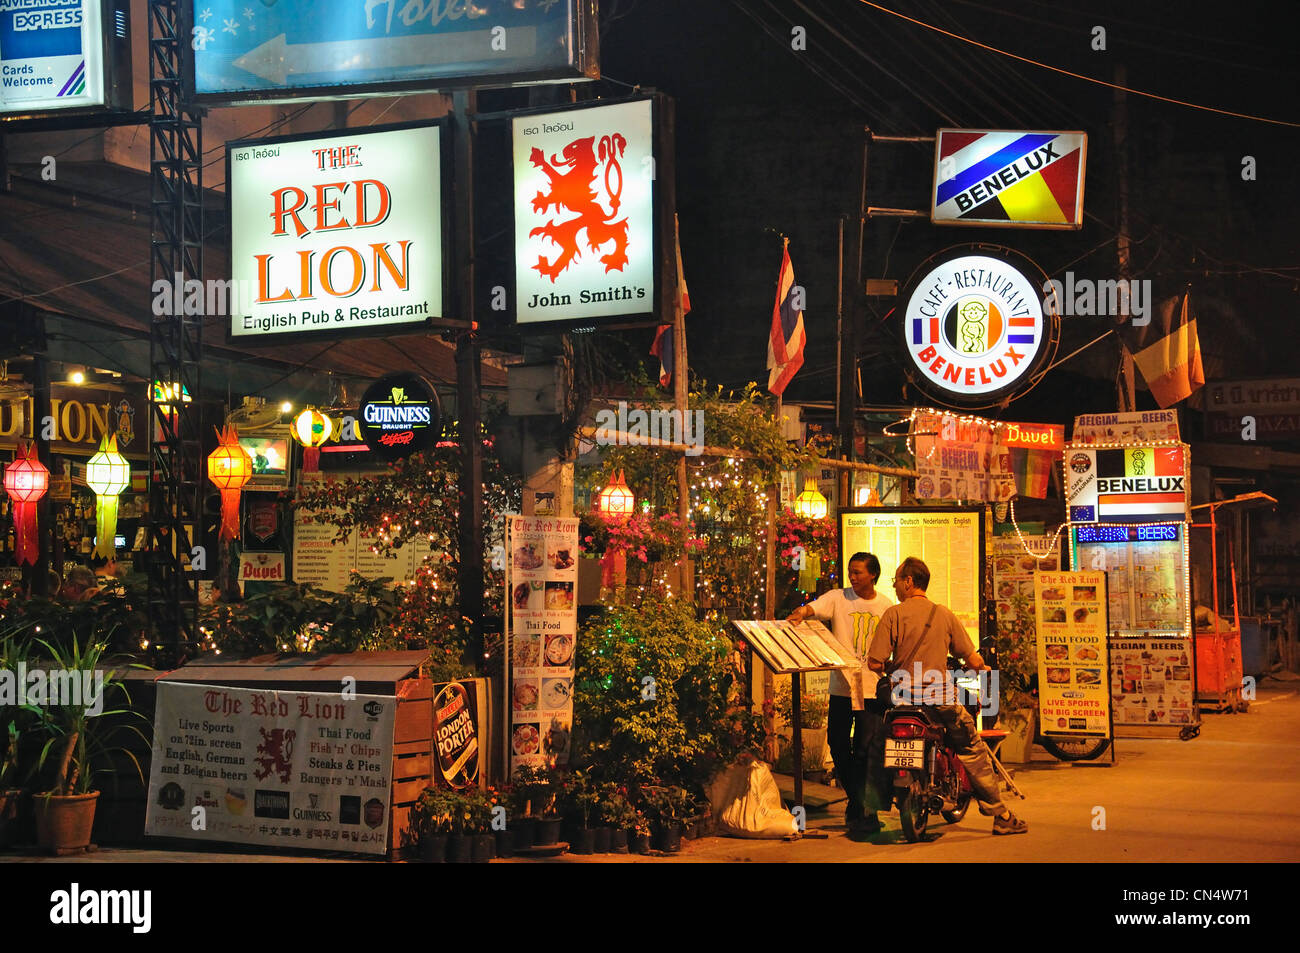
(63, 823)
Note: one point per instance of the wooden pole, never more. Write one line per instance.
(1127, 392)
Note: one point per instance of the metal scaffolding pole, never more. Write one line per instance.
(176, 340)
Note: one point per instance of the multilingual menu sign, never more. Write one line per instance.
(335, 233)
(1073, 664)
(946, 540)
(541, 581)
(276, 768)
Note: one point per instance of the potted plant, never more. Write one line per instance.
(812, 731)
(1015, 659)
(430, 824)
(504, 836)
(478, 826)
(617, 815)
(538, 788)
(639, 834)
(581, 803)
(12, 721)
(78, 745)
(669, 805)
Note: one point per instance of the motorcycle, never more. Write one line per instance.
(928, 778)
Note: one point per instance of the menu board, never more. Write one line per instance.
(1151, 681)
(321, 561)
(541, 583)
(1072, 682)
(947, 540)
(1013, 573)
(285, 769)
(1148, 585)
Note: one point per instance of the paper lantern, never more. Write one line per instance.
(311, 428)
(810, 504)
(26, 481)
(229, 467)
(616, 499)
(108, 474)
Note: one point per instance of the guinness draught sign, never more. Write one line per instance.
(399, 416)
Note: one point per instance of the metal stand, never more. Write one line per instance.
(176, 340)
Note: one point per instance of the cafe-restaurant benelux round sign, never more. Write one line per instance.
(977, 326)
(399, 415)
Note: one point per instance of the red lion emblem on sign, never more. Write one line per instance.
(573, 190)
(277, 746)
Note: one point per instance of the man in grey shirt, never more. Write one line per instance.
(918, 634)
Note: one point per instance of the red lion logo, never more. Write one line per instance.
(573, 190)
(278, 749)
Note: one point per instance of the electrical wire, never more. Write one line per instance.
(1080, 76)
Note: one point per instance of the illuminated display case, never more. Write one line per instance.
(1128, 507)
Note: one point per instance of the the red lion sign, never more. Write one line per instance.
(574, 190)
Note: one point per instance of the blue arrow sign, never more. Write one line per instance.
(255, 46)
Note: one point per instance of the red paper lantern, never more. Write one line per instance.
(229, 467)
(26, 481)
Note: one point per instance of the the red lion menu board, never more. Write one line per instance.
(276, 768)
(1073, 696)
(541, 583)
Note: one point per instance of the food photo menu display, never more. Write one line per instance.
(1073, 696)
(542, 581)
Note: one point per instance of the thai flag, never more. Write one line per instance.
(785, 343)
(662, 347)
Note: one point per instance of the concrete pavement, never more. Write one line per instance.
(1228, 795)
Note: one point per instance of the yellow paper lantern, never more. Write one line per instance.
(810, 504)
(616, 499)
(311, 428)
(229, 467)
(108, 474)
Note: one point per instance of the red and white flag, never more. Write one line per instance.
(786, 341)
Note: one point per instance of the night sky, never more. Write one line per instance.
(769, 140)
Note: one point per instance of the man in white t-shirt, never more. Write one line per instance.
(854, 720)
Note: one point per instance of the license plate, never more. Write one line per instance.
(904, 753)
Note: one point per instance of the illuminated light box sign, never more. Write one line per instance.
(1009, 178)
(584, 213)
(399, 415)
(55, 55)
(281, 49)
(949, 540)
(974, 328)
(1141, 533)
(1126, 484)
(335, 234)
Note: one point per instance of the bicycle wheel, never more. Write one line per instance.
(1081, 749)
